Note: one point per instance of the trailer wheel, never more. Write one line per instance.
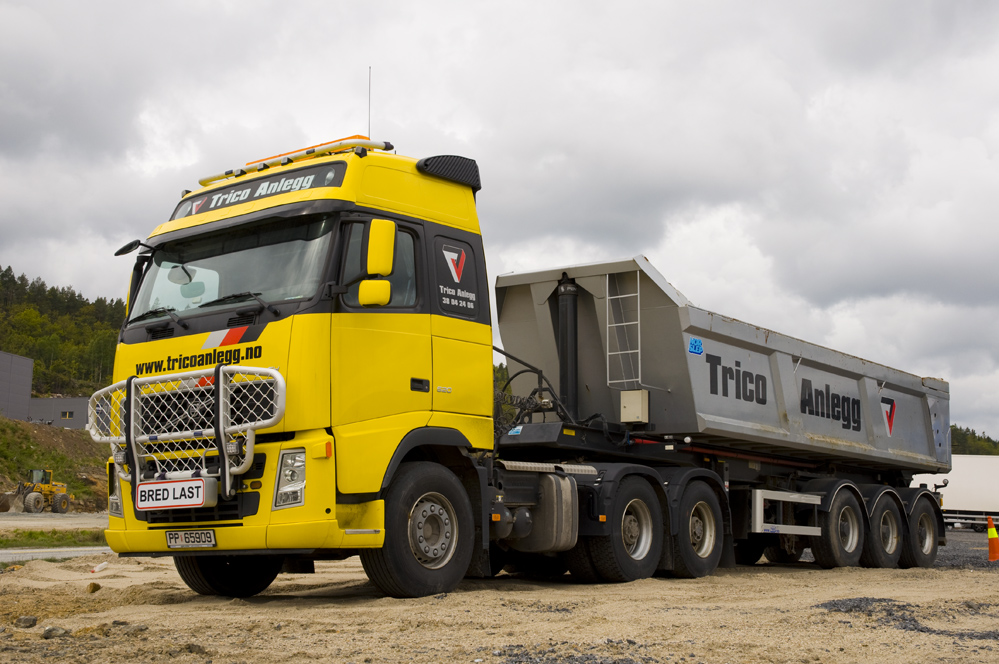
(778, 554)
(34, 503)
(60, 503)
(230, 576)
(632, 549)
(749, 551)
(883, 542)
(429, 533)
(919, 544)
(842, 540)
(698, 545)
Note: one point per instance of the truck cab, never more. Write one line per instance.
(299, 329)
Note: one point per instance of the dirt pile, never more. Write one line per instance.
(72, 455)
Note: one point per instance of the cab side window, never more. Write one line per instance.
(403, 277)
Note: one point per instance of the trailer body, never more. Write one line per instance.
(306, 373)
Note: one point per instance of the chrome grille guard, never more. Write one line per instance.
(164, 427)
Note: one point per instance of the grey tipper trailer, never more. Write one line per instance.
(801, 446)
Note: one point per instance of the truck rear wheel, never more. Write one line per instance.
(842, 540)
(34, 503)
(632, 549)
(919, 544)
(229, 576)
(698, 545)
(429, 533)
(60, 503)
(883, 542)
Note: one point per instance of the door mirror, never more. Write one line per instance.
(374, 293)
(381, 247)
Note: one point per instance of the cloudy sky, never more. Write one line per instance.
(830, 171)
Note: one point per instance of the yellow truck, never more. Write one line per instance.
(306, 373)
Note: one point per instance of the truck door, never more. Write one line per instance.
(382, 355)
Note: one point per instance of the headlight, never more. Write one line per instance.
(114, 494)
(290, 489)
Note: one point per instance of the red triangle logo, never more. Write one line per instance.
(888, 410)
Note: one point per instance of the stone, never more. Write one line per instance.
(93, 587)
(26, 622)
(54, 632)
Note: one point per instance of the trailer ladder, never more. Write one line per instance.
(624, 338)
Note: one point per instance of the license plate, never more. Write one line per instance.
(170, 494)
(189, 539)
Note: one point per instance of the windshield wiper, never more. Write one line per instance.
(238, 297)
(159, 311)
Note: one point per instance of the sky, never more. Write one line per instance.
(826, 170)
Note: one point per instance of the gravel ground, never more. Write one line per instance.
(142, 612)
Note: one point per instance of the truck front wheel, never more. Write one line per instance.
(698, 545)
(919, 545)
(429, 533)
(842, 540)
(229, 576)
(883, 543)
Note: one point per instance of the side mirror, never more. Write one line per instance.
(381, 247)
(374, 293)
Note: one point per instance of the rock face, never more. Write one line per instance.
(26, 622)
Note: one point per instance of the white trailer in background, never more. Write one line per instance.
(971, 492)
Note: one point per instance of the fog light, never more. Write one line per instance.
(233, 447)
(119, 456)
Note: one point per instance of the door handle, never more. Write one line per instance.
(419, 385)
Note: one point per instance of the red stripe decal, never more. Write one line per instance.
(233, 336)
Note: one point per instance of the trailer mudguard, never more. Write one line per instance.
(872, 493)
(911, 495)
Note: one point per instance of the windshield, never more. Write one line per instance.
(275, 260)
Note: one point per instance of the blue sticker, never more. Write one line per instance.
(695, 347)
(514, 431)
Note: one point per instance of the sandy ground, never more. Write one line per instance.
(143, 612)
(50, 521)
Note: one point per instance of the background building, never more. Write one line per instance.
(15, 386)
(67, 412)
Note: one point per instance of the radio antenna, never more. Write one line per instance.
(369, 101)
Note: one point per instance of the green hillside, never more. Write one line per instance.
(70, 338)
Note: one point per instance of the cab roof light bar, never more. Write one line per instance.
(308, 153)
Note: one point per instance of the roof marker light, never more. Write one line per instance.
(314, 151)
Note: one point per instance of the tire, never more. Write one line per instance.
(60, 503)
(429, 533)
(919, 543)
(883, 542)
(230, 576)
(632, 549)
(34, 503)
(580, 562)
(778, 554)
(749, 551)
(539, 566)
(842, 540)
(698, 545)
